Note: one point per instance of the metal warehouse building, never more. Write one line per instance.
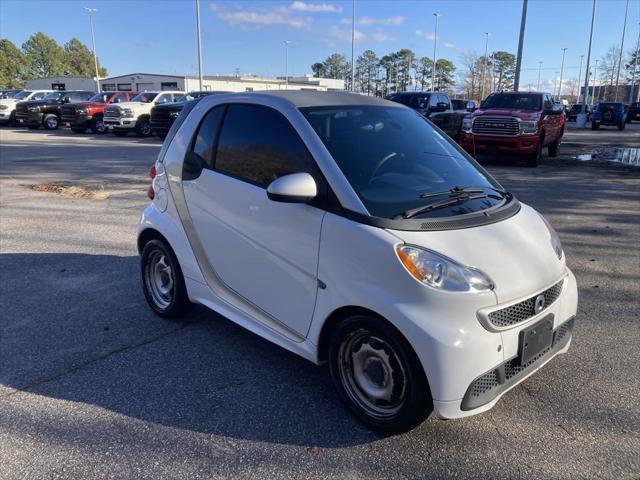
(150, 81)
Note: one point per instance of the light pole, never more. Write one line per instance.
(595, 77)
(484, 66)
(624, 28)
(539, 70)
(583, 112)
(579, 75)
(353, 44)
(199, 42)
(286, 62)
(435, 40)
(523, 21)
(91, 11)
(561, 72)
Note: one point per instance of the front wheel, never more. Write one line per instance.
(621, 126)
(97, 126)
(533, 159)
(51, 122)
(162, 280)
(378, 375)
(143, 128)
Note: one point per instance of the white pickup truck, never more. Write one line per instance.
(134, 116)
(8, 105)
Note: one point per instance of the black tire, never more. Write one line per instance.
(409, 400)
(155, 280)
(120, 133)
(78, 130)
(533, 159)
(595, 126)
(12, 119)
(621, 126)
(97, 126)
(554, 147)
(50, 122)
(143, 128)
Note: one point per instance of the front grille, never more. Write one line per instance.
(526, 309)
(21, 108)
(495, 125)
(489, 385)
(68, 113)
(112, 111)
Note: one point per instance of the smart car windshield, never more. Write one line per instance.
(396, 161)
(513, 101)
(144, 97)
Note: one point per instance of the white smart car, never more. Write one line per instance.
(349, 230)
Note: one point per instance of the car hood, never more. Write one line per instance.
(39, 103)
(86, 104)
(521, 114)
(516, 253)
(8, 101)
(172, 107)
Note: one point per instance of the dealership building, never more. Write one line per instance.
(139, 82)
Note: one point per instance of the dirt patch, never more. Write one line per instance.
(72, 191)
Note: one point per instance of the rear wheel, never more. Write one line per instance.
(378, 375)
(50, 122)
(97, 125)
(621, 126)
(78, 129)
(143, 128)
(162, 280)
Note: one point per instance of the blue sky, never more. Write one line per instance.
(159, 36)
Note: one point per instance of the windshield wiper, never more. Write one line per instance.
(455, 191)
(447, 202)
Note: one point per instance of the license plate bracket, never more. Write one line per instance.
(535, 339)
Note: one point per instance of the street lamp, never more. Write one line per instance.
(484, 66)
(581, 120)
(624, 28)
(539, 70)
(595, 77)
(91, 11)
(561, 72)
(579, 75)
(286, 62)
(435, 40)
(199, 42)
(353, 44)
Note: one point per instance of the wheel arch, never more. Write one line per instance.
(148, 234)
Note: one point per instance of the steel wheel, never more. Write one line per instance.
(372, 374)
(98, 126)
(159, 279)
(51, 122)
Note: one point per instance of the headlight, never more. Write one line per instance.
(4, 107)
(528, 128)
(555, 239)
(127, 112)
(440, 272)
(174, 114)
(33, 109)
(467, 125)
(81, 110)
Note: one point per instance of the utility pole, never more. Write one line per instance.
(523, 21)
(353, 44)
(539, 71)
(624, 28)
(484, 66)
(586, 77)
(561, 72)
(435, 40)
(595, 78)
(579, 75)
(286, 63)
(199, 43)
(91, 11)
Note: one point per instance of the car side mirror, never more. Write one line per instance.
(66, 100)
(293, 188)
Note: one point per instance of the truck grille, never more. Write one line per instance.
(488, 125)
(112, 111)
(21, 108)
(526, 309)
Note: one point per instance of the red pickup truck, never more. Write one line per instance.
(82, 115)
(515, 123)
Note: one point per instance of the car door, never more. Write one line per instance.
(551, 122)
(264, 251)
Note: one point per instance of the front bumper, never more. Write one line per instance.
(479, 378)
(75, 119)
(120, 123)
(5, 116)
(161, 126)
(520, 144)
(29, 118)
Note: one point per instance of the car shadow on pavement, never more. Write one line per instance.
(76, 328)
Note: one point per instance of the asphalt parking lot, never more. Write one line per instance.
(92, 385)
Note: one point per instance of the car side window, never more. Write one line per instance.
(258, 144)
(164, 98)
(548, 102)
(204, 142)
(433, 100)
(39, 96)
(121, 97)
(444, 99)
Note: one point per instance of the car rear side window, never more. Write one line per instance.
(205, 140)
(258, 144)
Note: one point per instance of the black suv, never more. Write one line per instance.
(163, 116)
(436, 106)
(634, 112)
(575, 109)
(46, 112)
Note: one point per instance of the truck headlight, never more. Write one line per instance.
(127, 112)
(528, 128)
(467, 125)
(33, 109)
(4, 107)
(438, 271)
(174, 114)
